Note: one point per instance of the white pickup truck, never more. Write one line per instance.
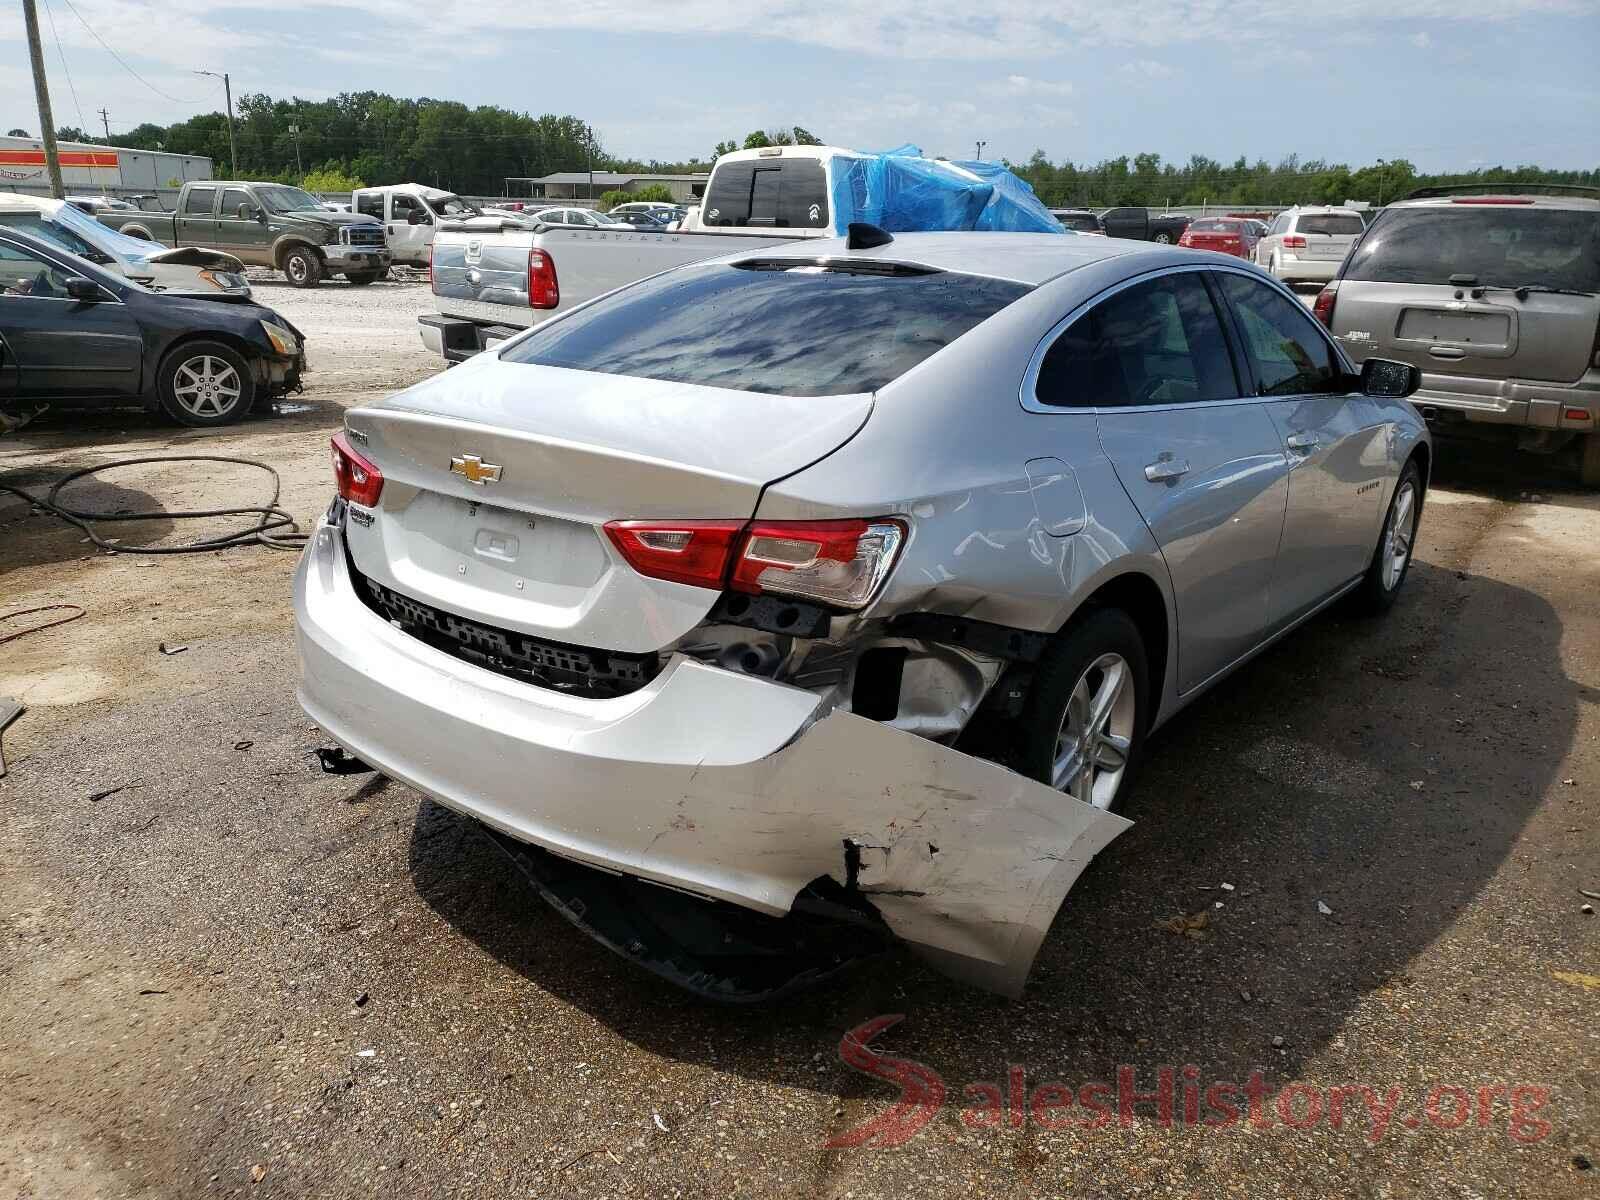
(489, 285)
(412, 213)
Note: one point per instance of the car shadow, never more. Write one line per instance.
(1502, 471)
(1390, 807)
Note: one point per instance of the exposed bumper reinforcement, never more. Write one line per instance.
(720, 784)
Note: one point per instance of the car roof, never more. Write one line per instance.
(1029, 258)
(1320, 210)
(1489, 198)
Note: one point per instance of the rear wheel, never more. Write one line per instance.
(1380, 586)
(205, 383)
(302, 267)
(1164, 238)
(1088, 709)
(1589, 460)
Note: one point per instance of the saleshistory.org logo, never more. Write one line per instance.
(1176, 1096)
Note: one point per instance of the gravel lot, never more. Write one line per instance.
(226, 973)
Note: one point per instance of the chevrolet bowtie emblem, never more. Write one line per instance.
(475, 469)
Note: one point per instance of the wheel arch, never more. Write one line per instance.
(137, 231)
(284, 245)
(241, 347)
(1137, 594)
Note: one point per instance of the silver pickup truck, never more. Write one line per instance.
(494, 278)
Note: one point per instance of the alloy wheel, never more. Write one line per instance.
(1398, 535)
(206, 386)
(1096, 733)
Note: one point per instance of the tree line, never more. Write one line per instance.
(373, 138)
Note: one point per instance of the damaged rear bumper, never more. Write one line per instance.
(719, 784)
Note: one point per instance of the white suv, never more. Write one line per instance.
(1306, 245)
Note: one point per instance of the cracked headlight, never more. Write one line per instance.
(282, 340)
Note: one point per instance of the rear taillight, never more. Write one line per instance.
(1322, 306)
(359, 479)
(1185, 240)
(836, 562)
(543, 290)
(840, 563)
(1293, 241)
(692, 552)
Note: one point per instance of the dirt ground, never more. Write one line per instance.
(225, 973)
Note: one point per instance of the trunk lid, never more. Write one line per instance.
(527, 551)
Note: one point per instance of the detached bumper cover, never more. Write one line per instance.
(705, 780)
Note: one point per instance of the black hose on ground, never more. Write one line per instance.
(273, 527)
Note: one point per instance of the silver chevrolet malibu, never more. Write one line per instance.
(838, 585)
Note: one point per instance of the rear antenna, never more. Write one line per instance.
(861, 236)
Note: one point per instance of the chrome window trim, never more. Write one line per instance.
(1027, 393)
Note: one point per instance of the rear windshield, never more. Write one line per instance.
(1336, 223)
(768, 193)
(1503, 246)
(1078, 221)
(787, 328)
(1215, 225)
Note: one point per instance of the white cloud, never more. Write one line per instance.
(1146, 68)
(1022, 85)
(197, 32)
(1421, 40)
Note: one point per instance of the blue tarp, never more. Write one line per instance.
(903, 192)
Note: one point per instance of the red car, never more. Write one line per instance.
(1226, 235)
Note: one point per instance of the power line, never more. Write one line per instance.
(65, 70)
(121, 61)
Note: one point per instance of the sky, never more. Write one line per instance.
(1448, 84)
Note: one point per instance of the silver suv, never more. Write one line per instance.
(1495, 295)
(1306, 245)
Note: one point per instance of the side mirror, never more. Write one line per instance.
(79, 288)
(1384, 377)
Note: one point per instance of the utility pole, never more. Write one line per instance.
(227, 90)
(41, 91)
(981, 145)
(1383, 169)
(588, 132)
(294, 132)
(105, 123)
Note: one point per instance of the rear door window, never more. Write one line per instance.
(1158, 342)
(786, 327)
(1343, 224)
(1288, 352)
(1503, 246)
(768, 193)
(199, 201)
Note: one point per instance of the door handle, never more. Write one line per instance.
(1302, 441)
(1451, 353)
(1166, 468)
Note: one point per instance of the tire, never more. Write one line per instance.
(1589, 460)
(1100, 650)
(302, 267)
(1272, 267)
(205, 383)
(1391, 559)
(362, 278)
(1163, 238)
